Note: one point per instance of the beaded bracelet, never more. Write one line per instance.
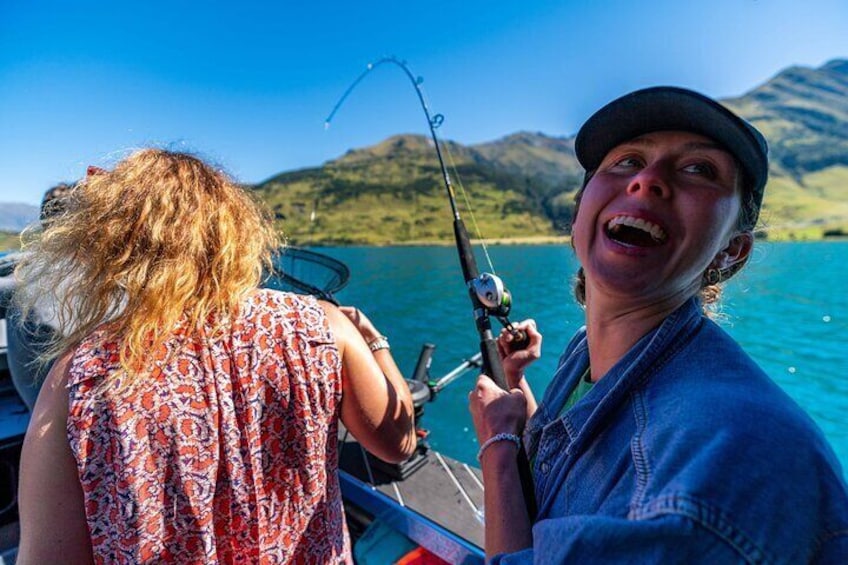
(496, 438)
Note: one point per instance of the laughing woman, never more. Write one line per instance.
(659, 439)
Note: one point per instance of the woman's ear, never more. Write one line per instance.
(736, 253)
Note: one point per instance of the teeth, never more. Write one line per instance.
(638, 223)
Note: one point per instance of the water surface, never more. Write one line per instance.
(788, 309)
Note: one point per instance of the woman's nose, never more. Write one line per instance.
(652, 180)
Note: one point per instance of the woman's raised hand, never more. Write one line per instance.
(362, 322)
(516, 360)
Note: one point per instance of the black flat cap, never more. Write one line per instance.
(668, 108)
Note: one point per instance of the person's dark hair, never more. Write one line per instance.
(53, 202)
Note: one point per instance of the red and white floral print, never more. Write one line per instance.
(227, 453)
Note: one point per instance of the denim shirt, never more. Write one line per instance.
(685, 451)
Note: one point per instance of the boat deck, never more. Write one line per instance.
(439, 504)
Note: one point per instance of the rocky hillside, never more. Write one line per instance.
(804, 114)
(393, 192)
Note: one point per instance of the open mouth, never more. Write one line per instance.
(635, 232)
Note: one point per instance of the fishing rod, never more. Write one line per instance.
(489, 296)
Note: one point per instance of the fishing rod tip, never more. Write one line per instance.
(326, 125)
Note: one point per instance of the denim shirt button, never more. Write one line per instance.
(545, 467)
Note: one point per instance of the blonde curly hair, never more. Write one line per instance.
(160, 242)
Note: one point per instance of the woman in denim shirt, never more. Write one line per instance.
(659, 439)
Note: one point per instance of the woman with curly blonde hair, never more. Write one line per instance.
(190, 416)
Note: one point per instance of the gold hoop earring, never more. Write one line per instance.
(712, 276)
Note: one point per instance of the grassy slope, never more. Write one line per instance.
(394, 193)
(793, 211)
(9, 241)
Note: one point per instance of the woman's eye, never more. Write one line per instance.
(628, 162)
(702, 169)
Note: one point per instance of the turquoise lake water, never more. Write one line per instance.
(788, 308)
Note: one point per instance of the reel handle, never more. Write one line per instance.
(519, 339)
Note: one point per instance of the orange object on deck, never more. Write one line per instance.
(420, 556)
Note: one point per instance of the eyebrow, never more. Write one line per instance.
(689, 146)
(694, 145)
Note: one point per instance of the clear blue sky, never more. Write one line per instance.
(249, 84)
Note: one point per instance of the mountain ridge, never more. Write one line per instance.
(523, 183)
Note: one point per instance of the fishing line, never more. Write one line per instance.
(458, 181)
(470, 210)
(446, 147)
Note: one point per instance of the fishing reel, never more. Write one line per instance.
(497, 301)
(492, 294)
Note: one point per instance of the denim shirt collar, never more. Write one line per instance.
(642, 360)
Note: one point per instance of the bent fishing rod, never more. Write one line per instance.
(489, 296)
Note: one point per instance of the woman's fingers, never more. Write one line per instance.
(515, 360)
(527, 327)
(495, 410)
(352, 313)
(362, 322)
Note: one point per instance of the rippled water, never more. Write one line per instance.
(788, 309)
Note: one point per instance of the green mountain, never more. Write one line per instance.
(393, 192)
(522, 185)
(803, 113)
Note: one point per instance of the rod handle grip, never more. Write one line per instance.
(526, 478)
(492, 362)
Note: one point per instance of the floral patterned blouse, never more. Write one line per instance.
(227, 453)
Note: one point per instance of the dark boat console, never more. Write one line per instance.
(14, 418)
